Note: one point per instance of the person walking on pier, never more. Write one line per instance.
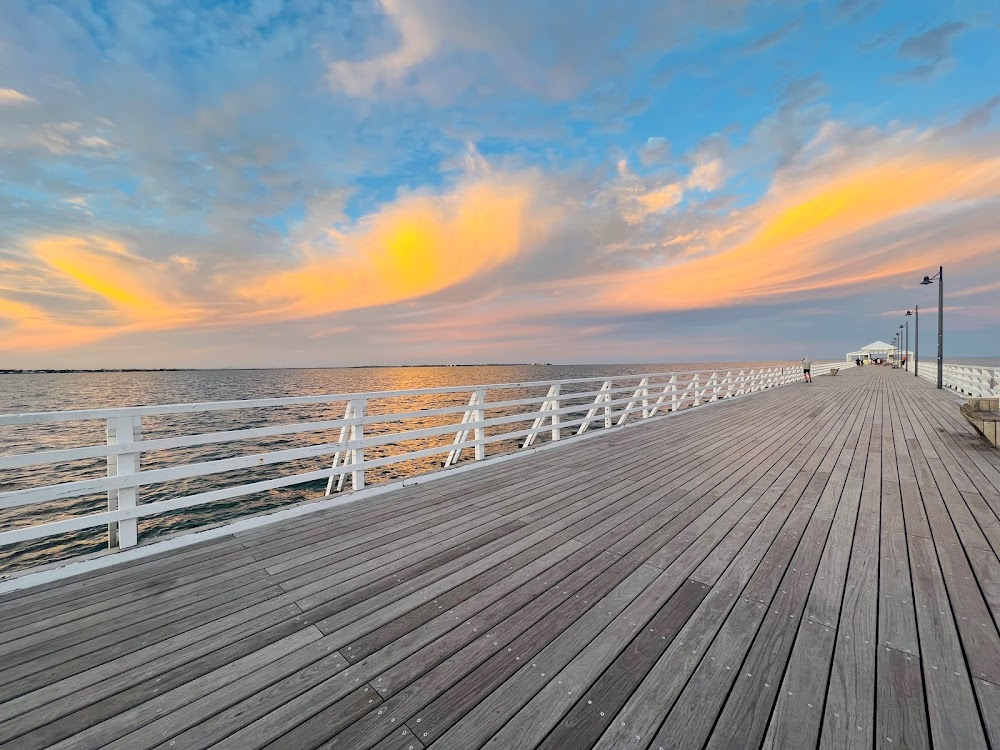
(807, 369)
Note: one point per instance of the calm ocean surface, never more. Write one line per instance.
(50, 392)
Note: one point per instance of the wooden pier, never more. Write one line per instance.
(810, 566)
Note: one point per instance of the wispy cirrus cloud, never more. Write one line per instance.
(439, 49)
(14, 98)
(931, 50)
(872, 221)
(974, 291)
(772, 38)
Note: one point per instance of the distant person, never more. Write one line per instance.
(807, 369)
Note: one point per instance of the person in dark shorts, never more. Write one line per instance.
(807, 369)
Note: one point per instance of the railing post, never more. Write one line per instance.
(556, 416)
(674, 405)
(339, 455)
(543, 413)
(602, 398)
(642, 390)
(124, 429)
(477, 416)
(607, 407)
(358, 433)
(713, 383)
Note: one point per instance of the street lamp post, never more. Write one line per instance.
(902, 348)
(940, 348)
(906, 349)
(916, 339)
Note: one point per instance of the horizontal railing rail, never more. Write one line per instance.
(567, 409)
(969, 380)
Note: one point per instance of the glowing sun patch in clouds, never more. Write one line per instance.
(414, 247)
(823, 238)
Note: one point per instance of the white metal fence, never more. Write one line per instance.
(969, 380)
(567, 409)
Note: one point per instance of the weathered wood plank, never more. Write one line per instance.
(951, 704)
(798, 712)
(402, 739)
(769, 610)
(653, 699)
(180, 684)
(897, 625)
(849, 713)
(439, 722)
(901, 720)
(132, 721)
(989, 704)
(59, 698)
(596, 708)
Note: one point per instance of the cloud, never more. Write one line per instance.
(706, 174)
(870, 222)
(880, 40)
(859, 210)
(856, 10)
(418, 42)
(419, 244)
(13, 98)
(772, 38)
(167, 189)
(185, 263)
(783, 135)
(107, 290)
(635, 197)
(439, 49)
(656, 151)
(976, 290)
(976, 118)
(932, 50)
(68, 138)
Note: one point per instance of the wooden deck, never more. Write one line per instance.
(812, 566)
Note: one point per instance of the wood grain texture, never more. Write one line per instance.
(814, 566)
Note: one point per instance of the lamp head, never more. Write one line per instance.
(927, 280)
(909, 313)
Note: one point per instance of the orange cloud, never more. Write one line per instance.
(417, 246)
(121, 292)
(25, 328)
(128, 284)
(814, 241)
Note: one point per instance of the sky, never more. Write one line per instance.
(270, 183)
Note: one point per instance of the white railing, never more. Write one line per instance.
(567, 410)
(969, 380)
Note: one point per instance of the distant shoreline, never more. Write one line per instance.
(53, 371)
(121, 369)
(68, 371)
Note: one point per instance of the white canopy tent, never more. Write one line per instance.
(875, 350)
